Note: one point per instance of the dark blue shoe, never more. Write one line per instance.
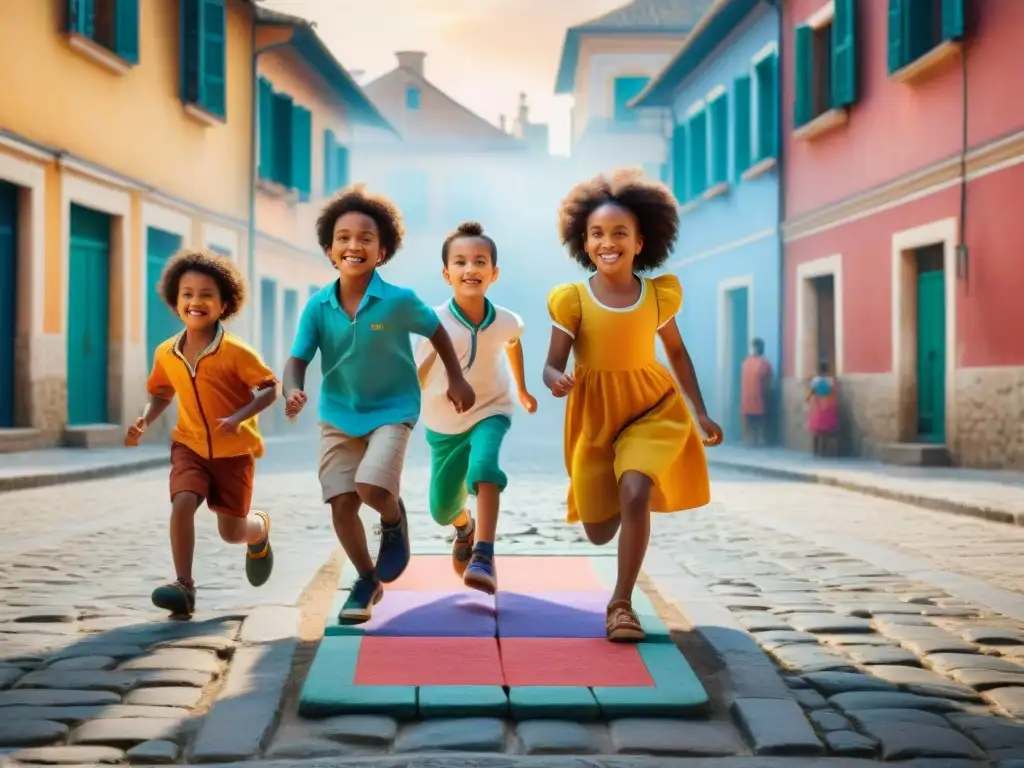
(365, 594)
(481, 574)
(393, 555)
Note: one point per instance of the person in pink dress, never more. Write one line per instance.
(823, 410)
(755, 382)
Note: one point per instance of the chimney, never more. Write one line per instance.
(502, 123)
(412, 60)
(524, 112)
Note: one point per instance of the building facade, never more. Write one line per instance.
(721, 90)
(126, 132)
(904, 141)
(605, 63)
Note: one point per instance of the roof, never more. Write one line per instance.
(720, 20)
(439, 121)
(309, 46)
(639, 17)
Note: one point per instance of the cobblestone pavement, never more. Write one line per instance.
(823, 622)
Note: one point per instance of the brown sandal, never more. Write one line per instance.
(623, 625)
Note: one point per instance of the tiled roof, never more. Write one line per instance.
(651, 13)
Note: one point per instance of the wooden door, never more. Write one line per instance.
(8, 299)
(931, 357)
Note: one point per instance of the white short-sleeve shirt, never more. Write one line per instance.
(483, 356)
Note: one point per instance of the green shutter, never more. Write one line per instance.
(741, 124)
(679, 150)
(126, 30)
(302, 150)
(81, 17)
(952, 19)
(767, 107)
(213, 58)
(341, 170)
(282, 142)
(265, 128)
(698, 134)
(897, 54)
(718, 111)
(330, 164)
(190, 51)
(844, 54)
(803, 75)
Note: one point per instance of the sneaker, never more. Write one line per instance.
(365, 594)
(393, 555)
(259, 557)
(177, 598)
(481, 574)
(462, 546)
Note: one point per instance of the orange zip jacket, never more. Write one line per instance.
(225, 375)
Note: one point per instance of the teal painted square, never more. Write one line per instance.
(462, 701)
(329, 688)
(677, 691)
(332, 627)
(553, 703)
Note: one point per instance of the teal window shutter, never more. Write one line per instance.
(265, 128)
(330, 163)
(282, 141)
(718, 110)
(952, 19)
(844, 54)
(803, 61)
(679, 153)
(627, 89)
(214, 53)
(412, 97)
(767, 107)
(126, 30)
(81, 17)
(341, 170)
(741, 124)
(897, 51)
(698, 134)
(302, 150)
(190, 47)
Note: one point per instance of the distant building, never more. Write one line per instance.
(721, 91)
(902, 227)
(605, 63)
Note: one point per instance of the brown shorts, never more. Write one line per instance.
(225, 484)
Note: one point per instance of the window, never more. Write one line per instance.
(203, 67)
(335, 164)
(412, 97)
(697, 132)
(766, 75)
(718, 112)
(627, 89)
(825, 64)
(679, 155)
(220, 250)
(741, 127)
(114, 24)
(916, 27)
(285, 140)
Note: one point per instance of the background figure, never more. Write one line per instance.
(755, 382)
(823, 414)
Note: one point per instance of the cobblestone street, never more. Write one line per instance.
(824, 623)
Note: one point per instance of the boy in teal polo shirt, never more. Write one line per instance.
(370, 394)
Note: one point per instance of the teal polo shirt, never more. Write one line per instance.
(369, 374)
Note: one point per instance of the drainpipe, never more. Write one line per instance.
(780, 430)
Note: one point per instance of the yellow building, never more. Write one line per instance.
(128, 129)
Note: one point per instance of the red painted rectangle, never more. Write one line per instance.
(581, 662)
(428, 661)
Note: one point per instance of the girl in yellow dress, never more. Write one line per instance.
(631, 446)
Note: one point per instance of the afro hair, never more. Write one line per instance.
(651, 202)
(469, 229)
(356, 199)
(221, 269)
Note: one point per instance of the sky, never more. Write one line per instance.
(482, 53)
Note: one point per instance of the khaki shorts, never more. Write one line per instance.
(375, 459)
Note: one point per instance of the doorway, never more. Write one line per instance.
(823, 289)
(161, 321)
(931, 344)
(8, 300)
(88, 334)
(738, 312)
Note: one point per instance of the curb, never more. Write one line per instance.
(61, 477)
(925, 502)
(491, 760)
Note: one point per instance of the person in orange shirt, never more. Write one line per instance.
(221, 384)
(755, 381)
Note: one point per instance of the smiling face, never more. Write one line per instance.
(470, 269)
(612, 240)
(355, 250)
(200, 304)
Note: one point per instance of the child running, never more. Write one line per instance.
(630, 445)
(221, 384)
(370, 394)
(464, 447)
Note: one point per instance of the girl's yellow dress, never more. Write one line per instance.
(625, 411)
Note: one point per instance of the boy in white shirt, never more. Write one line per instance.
(464, 447)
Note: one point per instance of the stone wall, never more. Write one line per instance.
(867, 413)
(989, 418)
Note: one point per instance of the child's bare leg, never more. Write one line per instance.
(488, 499)
(377, 483)
(183, 533)
(250, 529)
(350, 532)
(635, 513)
(603, 532)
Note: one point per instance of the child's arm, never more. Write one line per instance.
(261, 380)
(261, 400)
(555, 377)
(154, 410)
(460, 393)
(682, 367)
(514, 350)
(304, 347)
(423, 370)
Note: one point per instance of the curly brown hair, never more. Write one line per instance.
(221, 269)
(651, 202)
(469, 229)
(379, 208)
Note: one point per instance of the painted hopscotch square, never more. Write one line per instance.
(581, 662)
(552, 614)
(429, 661)
(677, 692)
(422, 614)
